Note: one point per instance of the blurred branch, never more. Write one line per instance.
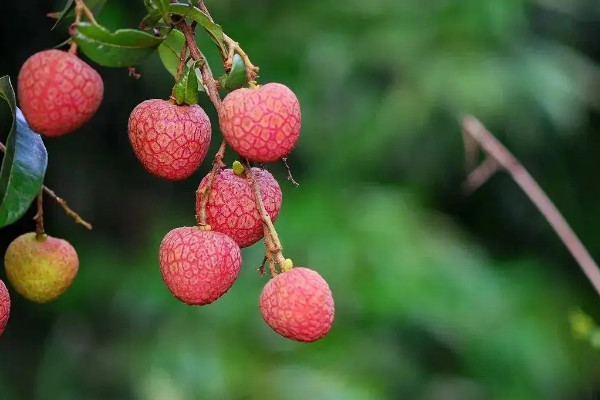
(496, 151)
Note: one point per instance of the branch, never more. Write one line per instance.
(204, 191)
(39, 216)
(496, 151)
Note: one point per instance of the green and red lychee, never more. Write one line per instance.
(4, 306)
(40, 269)
(231, 208)
(170, 141)
(58, 92)
(261, 124)
(198, 266)
(298, 304)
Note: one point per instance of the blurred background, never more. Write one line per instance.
(439, 296)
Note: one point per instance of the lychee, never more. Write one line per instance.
(40, 269)
(58, 92)
(231, 207)
(261, 124)
(4, 306)
(198, 266)
(171, 141)
(298, 304)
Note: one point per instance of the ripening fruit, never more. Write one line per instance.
(4, 306)
(171, 141)
(298, 304)
(231, 208)
(198, 266)
(40, 270)
(58, 92)
(261, 124)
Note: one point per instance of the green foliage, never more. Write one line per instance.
(170, 49)
(236, 78)
(24, 163)
(122, 48)
(213, 29)
(186, 88)
(67, 14)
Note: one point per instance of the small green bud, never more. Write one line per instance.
(238, 168)
(287, 265)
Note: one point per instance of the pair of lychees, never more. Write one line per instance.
(58, 93)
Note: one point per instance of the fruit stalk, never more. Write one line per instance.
(81, 8)
(39, 216)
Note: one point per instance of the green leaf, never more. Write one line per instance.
(24, 163)
(186, 88)
(151, 19)
(236, 78)
(170, 49)
(214, 30)
(122, 48)
(157, 10)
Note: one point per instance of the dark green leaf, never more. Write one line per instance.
(59, 15)
(122, 48)
(151, 19)
(236, 78)
(186, 88)
(24, 163)
(214, 30)
(157, 10)
(170, 49)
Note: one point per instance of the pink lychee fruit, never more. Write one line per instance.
(4, 306)
(58, 92)
(40, 269)
(261, 124)
(170, 141)
(198, 266)
(231, 207)
(298, 304)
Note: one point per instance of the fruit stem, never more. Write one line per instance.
(289, 172)
(182, 61)
(204, 192)
(61, 202)
(39, 216)
(80, 8)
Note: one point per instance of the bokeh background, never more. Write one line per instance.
(439, 296)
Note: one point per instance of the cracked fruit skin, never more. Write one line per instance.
(231, 208)
(298, 304)
(40, 270)
(198, 266)
(261, 124)
(4, 306)
(170, 141)
(58, 92)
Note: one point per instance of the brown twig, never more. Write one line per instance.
(81, 8)
(39, 216)
(480, 175)
(496, 150)
(289, 172)
(60, 201)
(204, 191)
(182, 61)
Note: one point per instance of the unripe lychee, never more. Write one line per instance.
(231, 207)
(40, 270)
(171, 141)
(4, 306)
(298, 304)
(261, 124)
(58, 92)
(198, 266)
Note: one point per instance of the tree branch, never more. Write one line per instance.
(474, 129)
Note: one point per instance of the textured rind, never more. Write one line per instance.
(231, 208)
(40, 270)
(198, 266)
(170, 141)
(261, 124)
(4, 306)
(58, 92)
(298, 304)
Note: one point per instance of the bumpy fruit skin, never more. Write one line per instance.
(40, 270)
(198, 266)
(231, 208)
(261, 124)
(298, 304)
(170, 141)
(4, 306)
(58, 92)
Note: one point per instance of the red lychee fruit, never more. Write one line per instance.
(58, 92)
(298, 304)
(4, 306)
(261, 124)
(198, 266)
(40, 269)
(171, 141)
(231, 208)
